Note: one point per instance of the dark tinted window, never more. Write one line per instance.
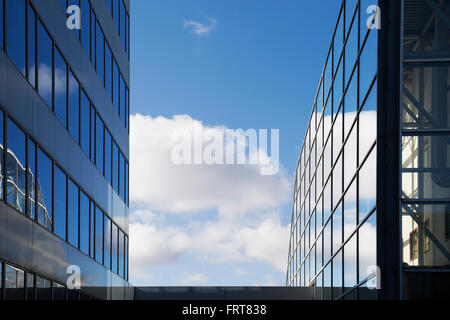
(84, 222)
(43, 289)
(74, 107)
(15, 13)
(92, 229)
(1, 155)
(73, 206)
(114, 247)
(45, 64)
(122, 176)
(14, 283)
(107, 242)
(85, 122)
(115, 79)
(1, 24)
(31, 179)
(123, 24)
(122, 100)
(116, 16)
(86, 25)
(99, 144)
(60, 88)
(92, 153)
(31, 46)
(93, 32)
(100, 54)
(60, 194)
(98, 235)
(108, 142)
(108, 70)
(16, 166)
(44, 190)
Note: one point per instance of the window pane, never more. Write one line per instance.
(115, 167)
(127, 107)
(122, 177)
(350, 210)
(99, 144)
(122, 101)
(16, 166)
(31, 45)
(350, 263)
(45, 47)
(93, 32)
(98, 235)
(108, 70)
(84, 222)
(114, 247)
(100, 54)
(14, 283)
(44, 189)
(122, 24)
(92, 151)
(92, 229)
(116, 13)
(108, 163)
(368, 124)
(59, 292)
(337, 228)
(368, 63)
(368, 247)
(107, 242)
(31, 179)
(127, 177)
(15, 13)
(86, 25)
(60, 88)
(85, 123)
(1, 24)
(30, 286)
(74, 107)
(72, 226)
(337, 275)
(60, 203)
(115, 79)
(368, 185)
(43, 289)
(126, 257)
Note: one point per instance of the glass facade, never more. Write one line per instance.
(54, 113)
(425, 111)
(333, 230)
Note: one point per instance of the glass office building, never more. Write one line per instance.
(371, 210)
(64, 149)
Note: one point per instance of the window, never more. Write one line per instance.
(100, 54)
(59, 292)
(447, 222)
(108, 163)
(128, 36)
(60, 195)
(1, 24)
(45, 47)
(116, 13)
(84, 223)
(121, 253)
(127, 177)
(44, 190)
(1, 155)
(115, 167)
(108, 70)
(15, 29)
(93, 32)
(115, 85)
(122, 175)
(60, 88)
(76, 3)
(123, 31)
(43, 289)
(92, 229)
(85, 123)
(92, 151)
(99, 144)
(126, 257)
(413, 245)
(122, 105)
(14, 283)
(127, 108)
(74, 107)
(98, 235)
(15, 166)
(31, 179)
(73, 214)
(426, 245)
(86, 25)
(114, 247)
(31, 46)
(30, 286)
(107, 242)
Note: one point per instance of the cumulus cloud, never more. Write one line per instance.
(193, 279)
(225, 213)
(199, 28)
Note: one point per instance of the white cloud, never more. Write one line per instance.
(201, 29)
(193, 279)
(232, 213)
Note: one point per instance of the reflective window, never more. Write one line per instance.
(351, 50)
(109, 3)
(93, 44)
(14, 283)
(59, 292)
(100, 54)
(92, 229)
(123, 32)
(98, 235)
(74, 107)
(126, 257)
(93, 116)
(60, 196)
(43, 289)
(337, 275)
(122, 176)
(128, 36)
(30, 286)
(85, 123)
(114, 248)
(368, 63)
(31, 179)
(350, 105)
(350, 220)
(1, 24)
(60, 88)
(368, 185)
(31, 45)
(127, 107)
(115, 85)
(99, 143)
(115, 167)
(45, 47)
(116, 8)
(368, 247)
(84, 223)
(350, 263)
(86, 25)
(44, 190)
(108, 70)
(368, 124)
(16, 166)
(15, 28)
(72, 214)
(127, 177)
(122, 101)
(108, 154)
(107, 242)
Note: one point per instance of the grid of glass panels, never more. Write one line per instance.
(426, 135)
(333, 229)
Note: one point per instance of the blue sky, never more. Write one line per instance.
(257, 66)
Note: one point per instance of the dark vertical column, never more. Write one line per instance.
(388, 151)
